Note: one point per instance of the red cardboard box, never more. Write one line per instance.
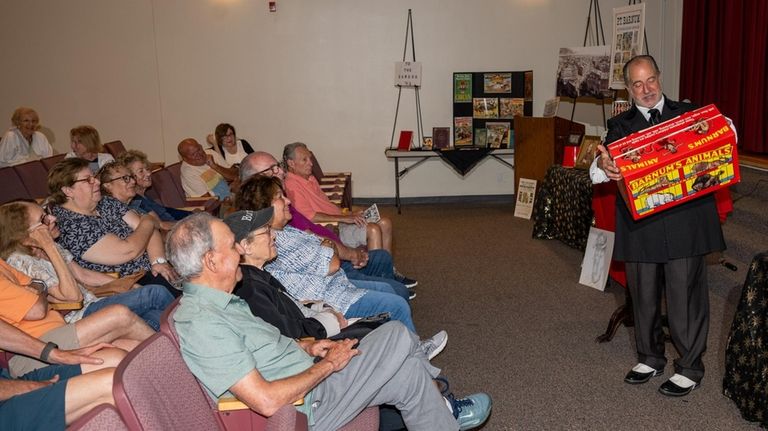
(678, 160)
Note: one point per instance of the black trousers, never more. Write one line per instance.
(685, 283)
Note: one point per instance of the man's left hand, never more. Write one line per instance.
(78, 356)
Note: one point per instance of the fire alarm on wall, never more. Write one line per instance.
(273, 6)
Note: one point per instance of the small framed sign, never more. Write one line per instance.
(408, 74)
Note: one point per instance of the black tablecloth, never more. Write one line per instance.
(463, 160)
(563, 207)
(746, 355)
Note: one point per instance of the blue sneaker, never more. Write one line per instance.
(472, 411)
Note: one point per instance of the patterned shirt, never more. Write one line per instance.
(79, 232)
(302, 267)
(42, 269)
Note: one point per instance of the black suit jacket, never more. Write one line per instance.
(690, 229)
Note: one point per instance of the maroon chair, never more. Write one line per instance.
(11, 186)
(34, 175)
(102, 417)
(337, 182)
(208, 203)
(154, 390)
(287, 418)
(49, 162)
(115, 148)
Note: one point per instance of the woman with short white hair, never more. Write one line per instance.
(23, 142)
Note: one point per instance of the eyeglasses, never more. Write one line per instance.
(47, 216)
(126, 178)
(90, 179)
(274, 169)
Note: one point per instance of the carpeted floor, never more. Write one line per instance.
(522, 329)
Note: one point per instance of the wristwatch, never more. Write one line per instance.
(159, 260)
(49, 346)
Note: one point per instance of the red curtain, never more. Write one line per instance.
(724, 60)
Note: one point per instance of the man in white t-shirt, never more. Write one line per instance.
(203, 173)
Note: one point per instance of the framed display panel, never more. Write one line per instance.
(490, 99)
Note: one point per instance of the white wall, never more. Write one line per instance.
(152, 72)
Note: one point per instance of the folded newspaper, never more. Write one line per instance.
(371, 214)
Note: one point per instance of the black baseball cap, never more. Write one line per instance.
(244, 222)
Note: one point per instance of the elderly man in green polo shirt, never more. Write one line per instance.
(232, 352)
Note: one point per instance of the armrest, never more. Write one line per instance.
(205, 203)
(154, 166)
(66, 306)
(226, 404)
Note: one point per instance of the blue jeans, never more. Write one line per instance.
(379, 268)
(147, 302)
(374, 302)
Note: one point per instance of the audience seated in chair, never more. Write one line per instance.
(27, 234)
(309, 266)
(303, 189)
(23, 142)
(53, 396)
(102, 233)
(204, 173)
(310, 200)
(25, 306)
(229, 350)
(269, 299)
(233, 150)
(86, 144)
(139, 166)
(118, 182)
(357, 263)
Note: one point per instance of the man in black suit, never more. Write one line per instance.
(665, 250)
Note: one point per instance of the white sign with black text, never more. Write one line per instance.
(526, 193)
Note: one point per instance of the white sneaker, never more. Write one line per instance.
(433, 346)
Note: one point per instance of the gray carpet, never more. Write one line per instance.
(522, 329)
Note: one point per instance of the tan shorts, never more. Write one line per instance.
(65, 336)
(352, 235)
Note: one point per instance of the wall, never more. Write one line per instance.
(152, 72)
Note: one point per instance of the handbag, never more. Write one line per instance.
(362, 327)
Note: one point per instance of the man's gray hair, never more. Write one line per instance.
(188, 242)
(636, 59)
(289, 152)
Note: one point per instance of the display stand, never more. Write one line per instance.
(485, 105)
(419, 126)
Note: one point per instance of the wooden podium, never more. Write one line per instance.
(539, 144)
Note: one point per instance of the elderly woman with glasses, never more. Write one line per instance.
(86, 144)
(102, 233)
(139, 166)
(23, 142)
(27, 235)
(118, 182)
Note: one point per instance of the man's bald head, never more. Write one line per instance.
(192, 152)
(261, 163)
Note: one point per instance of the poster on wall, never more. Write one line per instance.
(627, 42)
(583, 71)
(462, 87)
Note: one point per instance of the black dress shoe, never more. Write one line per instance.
(636, 378)
(671, 389)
